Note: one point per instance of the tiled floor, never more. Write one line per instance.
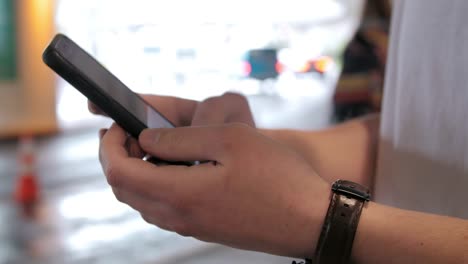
(79, 221)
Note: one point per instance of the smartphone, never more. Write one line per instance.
(102, 88)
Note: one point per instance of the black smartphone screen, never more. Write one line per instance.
(106, 83)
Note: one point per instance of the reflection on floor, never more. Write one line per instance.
(79, 221)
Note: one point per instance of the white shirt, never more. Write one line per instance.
(423, 157)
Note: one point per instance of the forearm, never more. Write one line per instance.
(346, 151)
(390, 235)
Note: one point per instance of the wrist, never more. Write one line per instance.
(368, 225)
(314, 210)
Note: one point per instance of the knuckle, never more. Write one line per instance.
(231, 134)
(147, 219)
(227, 137)
(118, 195)
(211, 102)
(156, 220)
(203, 114)
(235, 97)
(112, 175)
(182, 228)
(239, 128)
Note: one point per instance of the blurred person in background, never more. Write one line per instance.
(270, 190)
(360, 87)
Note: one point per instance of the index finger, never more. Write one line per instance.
(179, 111)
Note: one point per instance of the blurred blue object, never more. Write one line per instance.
(262, 64)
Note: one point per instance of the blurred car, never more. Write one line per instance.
(262, 64)
(318, 65)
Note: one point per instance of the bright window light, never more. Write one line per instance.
(195, 49)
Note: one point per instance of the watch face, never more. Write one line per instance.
(352, 189)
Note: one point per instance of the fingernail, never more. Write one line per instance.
(149, 137)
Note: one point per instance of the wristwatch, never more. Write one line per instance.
(337, 235)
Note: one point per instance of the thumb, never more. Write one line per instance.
(184, 143)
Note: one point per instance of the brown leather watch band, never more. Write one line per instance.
(337, 236)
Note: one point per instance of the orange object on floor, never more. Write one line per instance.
(27, 189)
(27, 186)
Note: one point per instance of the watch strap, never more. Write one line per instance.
(338, 231)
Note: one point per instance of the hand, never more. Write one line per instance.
(256, 194)
(227, 108)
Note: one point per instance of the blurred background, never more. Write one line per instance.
(303, 64)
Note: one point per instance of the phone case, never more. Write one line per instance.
(75, 77)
